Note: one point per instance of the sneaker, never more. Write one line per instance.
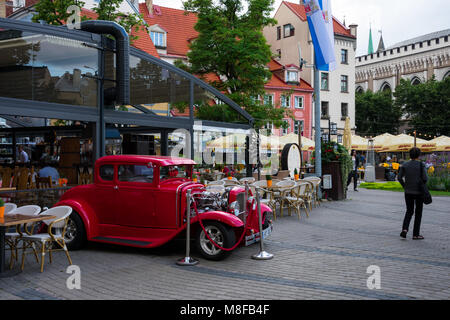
(403, 234)
(418, 238)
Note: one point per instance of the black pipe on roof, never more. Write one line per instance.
(122, 54)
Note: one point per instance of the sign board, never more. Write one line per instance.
(327, 182)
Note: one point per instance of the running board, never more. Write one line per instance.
(123, 241)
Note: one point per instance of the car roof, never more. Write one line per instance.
(157, 160)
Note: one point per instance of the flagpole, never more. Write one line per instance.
(317, 114)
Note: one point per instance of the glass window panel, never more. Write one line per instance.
(47, 68)
(107, 172)
(158, 89)
(208, 106)
(135, 173)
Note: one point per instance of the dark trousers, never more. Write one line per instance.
(353, 174)
(411, 201)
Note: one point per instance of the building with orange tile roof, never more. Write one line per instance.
(290, 42)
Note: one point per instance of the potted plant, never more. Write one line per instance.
(230, 175)
(296, 176)
(269, 181)
(194, 178)
(2, 209)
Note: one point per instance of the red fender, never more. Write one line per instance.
(86, 213)
(223, 217)
(265, 208)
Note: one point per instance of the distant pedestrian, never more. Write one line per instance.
(354, 173)
(412, 173)
(23, 156)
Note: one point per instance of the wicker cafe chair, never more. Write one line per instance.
(55, 235)
(309, 194)
(6, 177)
(44, 182)
(9, 206)
(316, 181)
(284, 190)
(296, 198)
(12, 239)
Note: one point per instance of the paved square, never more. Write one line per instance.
(325, 256)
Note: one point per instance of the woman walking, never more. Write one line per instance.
(411, 175)
(354, 173)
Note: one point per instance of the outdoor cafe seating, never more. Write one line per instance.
(25, 235)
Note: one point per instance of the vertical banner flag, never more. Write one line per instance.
(320, 22)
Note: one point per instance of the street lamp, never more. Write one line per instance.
(339, 138)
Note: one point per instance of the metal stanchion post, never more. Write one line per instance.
(187, 260)
(262, 255)
(245, 202)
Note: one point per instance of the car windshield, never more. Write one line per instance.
(172, 172)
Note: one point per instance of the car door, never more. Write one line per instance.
(105, 192)
(135, 195)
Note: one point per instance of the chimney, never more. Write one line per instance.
(76, 78)
(149, 4)
(2, 8)
(353, 29)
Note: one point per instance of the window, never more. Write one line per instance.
(288, 30)
(256, 99)
(298, 102)
(278, 33)
(324, 81)
(298, 126)
(107, 172)
(47, 68)
(158, 39)
(278, 54)
(285, 101)
(269, 127)
(292, 76)
(344, 83)
(173, 172)
(135, 173)
(344, 56)
(421, 45)
(268, 99)
(325, 111)
(437, 41)
(286, 127)
(344, 110)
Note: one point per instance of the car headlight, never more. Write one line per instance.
(234, 208)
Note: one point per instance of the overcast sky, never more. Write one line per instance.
(398, 19)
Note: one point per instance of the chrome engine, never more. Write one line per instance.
(211, 201)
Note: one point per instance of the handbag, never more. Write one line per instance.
(427, 199)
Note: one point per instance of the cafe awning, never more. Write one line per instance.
(442, 143)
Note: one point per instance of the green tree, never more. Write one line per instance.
(426, 106)
(376, 113)
(55, 12)
(231, 44)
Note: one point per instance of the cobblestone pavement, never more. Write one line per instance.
(325, 256)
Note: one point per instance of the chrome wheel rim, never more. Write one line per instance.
(216, 235)
(71, 231)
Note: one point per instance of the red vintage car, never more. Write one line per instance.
(140, 201)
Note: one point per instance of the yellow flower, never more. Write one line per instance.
(431, 170)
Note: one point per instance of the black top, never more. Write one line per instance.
(410, 174)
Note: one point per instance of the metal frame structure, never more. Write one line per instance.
(99, 115)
